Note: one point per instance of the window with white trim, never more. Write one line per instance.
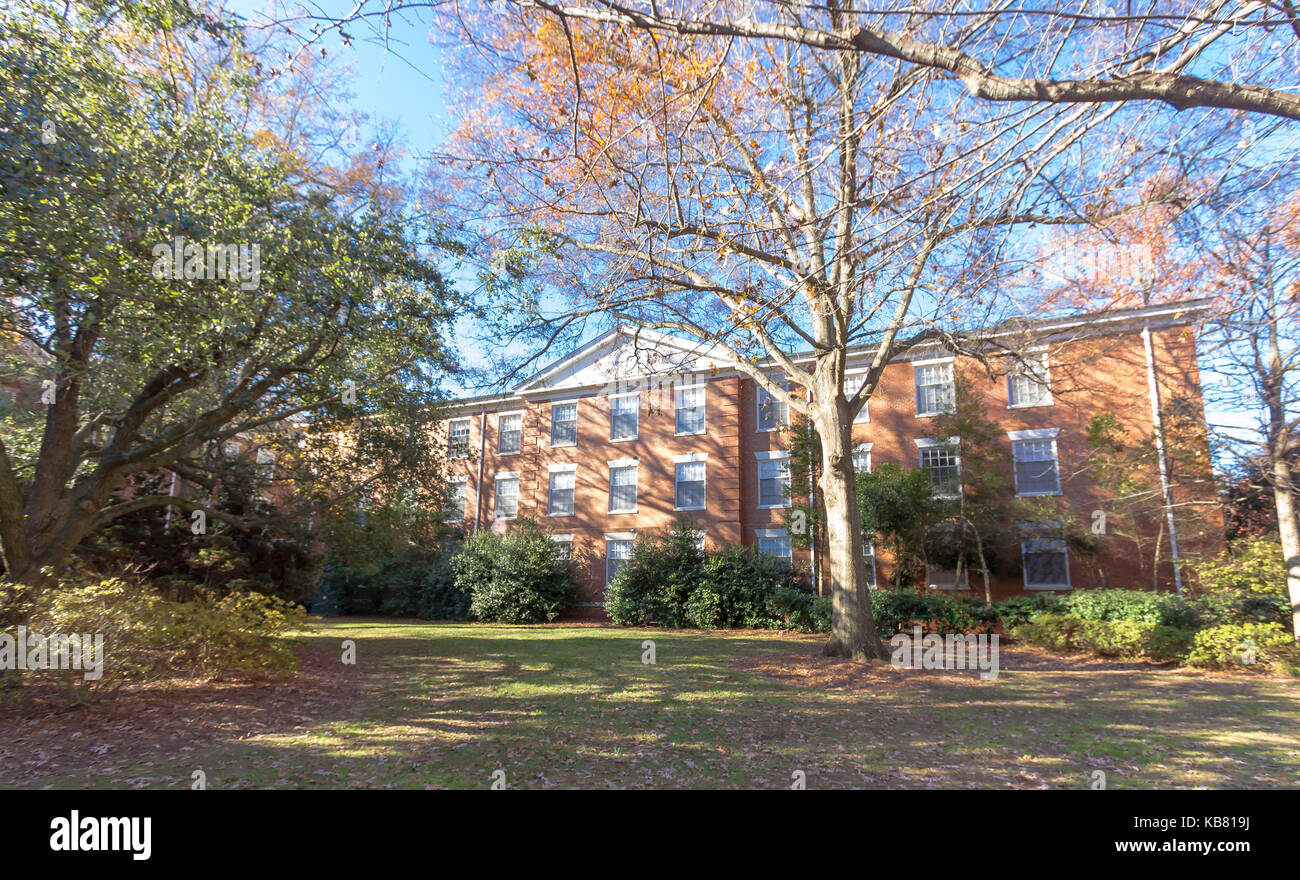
(935, 392)
(563, 546)
(851, 385)
(1045, 557)
(458, 439)
(943, 462)
(862, 458)
(457, 490)
(690, 486)
(617, 553)
(1037, 469)
(507, 498)
(510, 433)
(564, 424)
(623, 412)
(869, 561)
(1029, 382)
(622, 488)
(266, 464)
(945, 578)
(689, 405)
(559, 500)
(775, 542)
(773, 414)
(774, 481)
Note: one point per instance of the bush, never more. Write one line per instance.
(1136, 606)
(1106, 638)
(1021, 609)
(1052, 631)
(820, 612)
(655, 584)
(146, 637)
(518, 577)
(737, 588)
(437, 595)
(1230, 646)
(896, 611)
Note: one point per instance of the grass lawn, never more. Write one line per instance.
(446, 705)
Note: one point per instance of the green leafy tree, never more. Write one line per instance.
(898, 505)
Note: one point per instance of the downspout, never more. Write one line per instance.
(812, 505)
(1153, 393)
(478, 487)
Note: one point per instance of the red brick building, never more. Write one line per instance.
(636, 428)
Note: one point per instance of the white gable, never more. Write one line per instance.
(621, 356)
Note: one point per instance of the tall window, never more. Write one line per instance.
(774, 542)
(622, 488)
(458, 439)
(1037, 471)
(773, 414)
(1045, 556)
(455, 498)
(690, 410)
(946, 578)
(507, 501)
(563, 546)
(266, 464)
(564, 424)
(774, 482)
(510, 433)
(560, 498)
(934, 389)
(617, 552)
(851, 386)
(623, 417)
(1028, 383)
(690, 485)
(944, 465)
(869, 561)
(862, 458)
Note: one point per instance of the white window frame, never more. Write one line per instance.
(617, 537)
(861, 449)
(761, 535)
(869, 559)
(955, 444)
(564, 539)
(782, 421)
(463, 482)
(951, 383)
(468, 428)
(864, 415)
(1037, 436)
(551, 471)
(1026, 533)
(501, 417)
(778, 456)
(931, 584)
(496, 496)
(574, 404)
(1018, 370)
(265, 463)
(613, 410)
(700, 458)
(700, 387)
(625, 464)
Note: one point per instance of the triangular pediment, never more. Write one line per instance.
(622, 355)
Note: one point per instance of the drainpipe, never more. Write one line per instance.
(812, 496)
(478, 487)
(1153, 392)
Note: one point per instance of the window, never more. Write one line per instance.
(1028, 383)
(507, 501)
(690, 410)
(945, 578)
(455, 498)
(862, 458)
(563, 546)
(869, 561)
(690, 485)
(510, 433)
(1045, 556)
(623, 417)
(266, 464)
(622, 487)
(774, 542)
(618, 550)
(560, 497)
(1037, 470)
(458, 439)
(564, 424)
(773, 479)
(773, 414)
(851, 386)
(934, 388)
(941, 459)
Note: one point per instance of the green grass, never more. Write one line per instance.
(574, 706)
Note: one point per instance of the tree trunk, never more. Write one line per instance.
(1289, 531)
(853, 630)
